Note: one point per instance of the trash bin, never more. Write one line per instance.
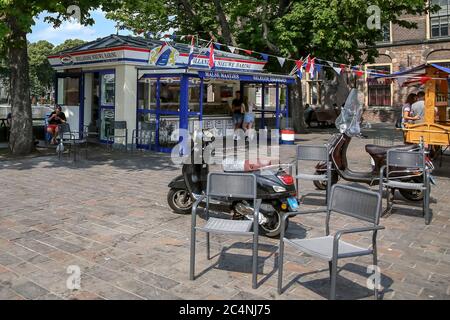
(288, 136)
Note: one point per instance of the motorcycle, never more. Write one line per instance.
(275, 187)
(338, 144)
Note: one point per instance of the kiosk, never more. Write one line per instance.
(165, 84)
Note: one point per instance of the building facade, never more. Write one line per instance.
(400, 49)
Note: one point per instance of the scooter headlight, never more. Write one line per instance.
(278, 189)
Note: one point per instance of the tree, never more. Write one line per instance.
(16, 20)
(68, 44)
(41, 72)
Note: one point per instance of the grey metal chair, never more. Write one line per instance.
(75, 140)
(313, 153)
(406, 163)
(118, 125)
(144, 135)
(240, 186)
(363, 205)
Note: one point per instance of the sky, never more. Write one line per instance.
(73, 30)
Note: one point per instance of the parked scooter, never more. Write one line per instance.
(275, 187)
(348, 124)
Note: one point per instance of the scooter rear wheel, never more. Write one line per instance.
(180, 201)
(322, 185)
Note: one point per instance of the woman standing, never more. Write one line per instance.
(407, 115)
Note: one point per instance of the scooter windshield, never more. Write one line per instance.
(349, 120)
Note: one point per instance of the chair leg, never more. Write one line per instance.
(375, 263)
(333, 280)
(192, 258)
(280, 267)
(255, 261)
(208, 247)
(330, 266)
(426, 204)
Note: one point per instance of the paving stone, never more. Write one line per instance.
(29, 290)
(113, 221)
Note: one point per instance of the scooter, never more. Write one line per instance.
(338, 146)
(275, 187)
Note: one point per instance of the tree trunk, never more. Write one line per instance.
(297, 109)
(21, 135)
(224, 25)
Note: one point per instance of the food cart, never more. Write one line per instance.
(435, 129)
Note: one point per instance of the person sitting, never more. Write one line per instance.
(308, 113)
(56, 118)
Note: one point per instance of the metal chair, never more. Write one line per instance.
(403, 163)
(357, 203)
(75, 141)
(118, 125)
(240, 186)
(313, 153)
(143, 135)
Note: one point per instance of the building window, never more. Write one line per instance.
(379, 92)
(439, 20)
(386, 32)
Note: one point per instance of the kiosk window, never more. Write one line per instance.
(147, 95)
(69, 91)
(170, 94)
(108, 89)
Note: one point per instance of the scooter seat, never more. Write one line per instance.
(236, 165)
(375, 150)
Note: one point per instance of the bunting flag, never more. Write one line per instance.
(249, 52)
(424, 79)
(281, 61)
(232, 49)
(299, 64)
(265, 56)
(191, 50)
(212, 60)
(310, 66)
(343, 67)
(218, 46)
(401, 81)
(337, 70)
(318, 68)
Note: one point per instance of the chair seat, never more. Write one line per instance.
(215, 225)
(322, 247)
(312, 177)
(405, 185)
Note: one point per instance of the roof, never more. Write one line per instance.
(140, 42)
(414, 72)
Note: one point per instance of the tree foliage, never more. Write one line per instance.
(16, 20)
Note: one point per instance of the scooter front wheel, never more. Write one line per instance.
(180, 201)
(272, 228)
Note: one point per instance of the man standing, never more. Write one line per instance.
(418, 108)
(238, 114)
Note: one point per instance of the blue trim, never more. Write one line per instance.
(277, 103)
(184, 111)
(286, 109)
(81, 111)
(202, 93)
(263, 107)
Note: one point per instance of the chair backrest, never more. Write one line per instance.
(148, 126)
(120, 125)
(312, 153)
(63, 128)
(355, 202)
(405, 159)
(232, 185)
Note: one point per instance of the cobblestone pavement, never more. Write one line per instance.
(109, 216)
